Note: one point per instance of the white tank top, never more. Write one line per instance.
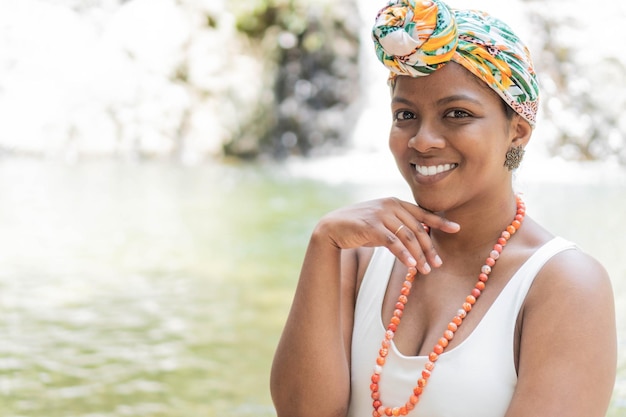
(476, 378)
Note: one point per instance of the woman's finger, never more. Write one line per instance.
(414, 236)
(417, 241)
(433, 220)
(411, 244)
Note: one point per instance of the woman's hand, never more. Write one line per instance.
(388, 222)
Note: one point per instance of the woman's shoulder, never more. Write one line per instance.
(569, 269)
(574, 271)
(570, 274)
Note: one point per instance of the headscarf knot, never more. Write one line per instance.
(416, 37)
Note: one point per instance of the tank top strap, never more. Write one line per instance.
(524, 277)
(374, 285)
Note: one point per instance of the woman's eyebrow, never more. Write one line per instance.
(441, 101)
(401, 100)
(458, 97)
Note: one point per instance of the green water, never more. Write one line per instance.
(159, 290)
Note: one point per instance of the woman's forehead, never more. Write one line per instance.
(452, 79)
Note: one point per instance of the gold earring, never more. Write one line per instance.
(514, 157)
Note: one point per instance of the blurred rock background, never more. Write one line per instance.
(187, 79)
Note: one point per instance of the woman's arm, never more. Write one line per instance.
(568, 347)
(311, 368)
(310, 373)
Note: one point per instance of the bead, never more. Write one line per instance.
(379, 409)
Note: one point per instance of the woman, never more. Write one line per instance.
(457, 304)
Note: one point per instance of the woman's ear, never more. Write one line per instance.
(520, 131)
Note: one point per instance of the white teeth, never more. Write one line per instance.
(434, 169)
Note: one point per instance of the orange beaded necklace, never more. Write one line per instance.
(381, 410)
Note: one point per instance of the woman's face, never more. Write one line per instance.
(449, 137)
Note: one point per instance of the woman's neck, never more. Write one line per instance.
(481, 225)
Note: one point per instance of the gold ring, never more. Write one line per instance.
(398, 229)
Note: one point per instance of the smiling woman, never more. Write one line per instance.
(400, 305)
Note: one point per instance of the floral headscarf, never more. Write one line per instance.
(416, 37)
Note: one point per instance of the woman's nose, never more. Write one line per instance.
(426, 137)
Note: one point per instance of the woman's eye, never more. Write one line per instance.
(457, 114)
(404, 115)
